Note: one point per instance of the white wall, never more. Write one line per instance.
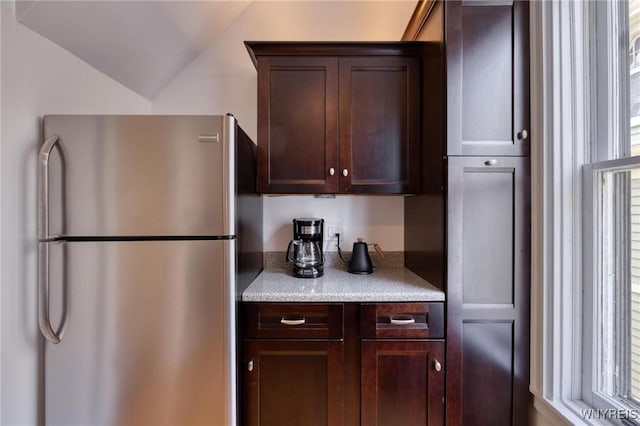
(223, 79)
(37, 78)
(376, 219)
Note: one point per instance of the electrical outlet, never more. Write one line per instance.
(331, 229)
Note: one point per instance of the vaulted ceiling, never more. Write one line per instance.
(145, 44)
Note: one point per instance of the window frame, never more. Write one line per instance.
(610, 152)
(573, 129)
(605, 225)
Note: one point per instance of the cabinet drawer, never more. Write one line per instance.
(293, 320)
(403, 320)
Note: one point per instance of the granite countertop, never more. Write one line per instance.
(385, 284)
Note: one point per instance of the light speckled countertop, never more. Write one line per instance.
(385, 284)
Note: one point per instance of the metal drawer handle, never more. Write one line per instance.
(297, 321)
(436, 365)
(402, 320)
(491, 162)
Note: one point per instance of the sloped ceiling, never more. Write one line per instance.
(141, 44)
(145, 44)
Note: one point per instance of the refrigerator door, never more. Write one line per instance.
(140, 176)
(148, 335)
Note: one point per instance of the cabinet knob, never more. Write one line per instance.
(491, 162)
(332, 171)
(522, 135)
(345, 172)
(436, 365)
(250, 365)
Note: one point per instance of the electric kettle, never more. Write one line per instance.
(360, 262)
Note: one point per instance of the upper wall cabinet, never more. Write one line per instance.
(487, 45)
(338, 117)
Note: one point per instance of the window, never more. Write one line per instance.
(612, 343)
(586, 215)
(611, 257)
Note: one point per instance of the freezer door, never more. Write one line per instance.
(140, 175)
(148, 335)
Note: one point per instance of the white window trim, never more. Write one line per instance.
(559, 109)
(607, 272)
(564, 119)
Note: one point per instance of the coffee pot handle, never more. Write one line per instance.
(286, 256)
(320, 251)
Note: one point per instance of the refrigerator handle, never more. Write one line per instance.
(43, 295)
(43, 235)
(43, 187)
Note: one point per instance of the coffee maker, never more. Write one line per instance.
(305, 250)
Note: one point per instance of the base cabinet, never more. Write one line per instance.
(293, 383)
(402, 383)
(374, 364)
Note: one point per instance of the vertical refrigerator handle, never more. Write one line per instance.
(43, 235)
(43, 187)
(43, 295)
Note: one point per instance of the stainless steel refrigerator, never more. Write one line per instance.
(149, 229)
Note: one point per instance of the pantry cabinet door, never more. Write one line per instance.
(487, 54)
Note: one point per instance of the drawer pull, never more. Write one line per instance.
(402, 320)
(250, 365)
(297, 321)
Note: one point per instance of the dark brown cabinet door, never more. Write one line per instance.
(402, 383)
(297, 125)
(293, 383)
(338, 117)
(488, 291)
(379, 125)
(487, 77)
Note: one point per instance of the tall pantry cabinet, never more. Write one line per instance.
(485, 189)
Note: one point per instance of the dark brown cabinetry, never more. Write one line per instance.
(297, 124)
(488, 292)
(338, 118)
(402, 373)
(293, 383)
(293, 359)
(402, 383)
(379, 125)
(487, 49)
(353, 364)
(487, 209)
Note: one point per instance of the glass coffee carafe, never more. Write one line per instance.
(305, 254)
(305, 249)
